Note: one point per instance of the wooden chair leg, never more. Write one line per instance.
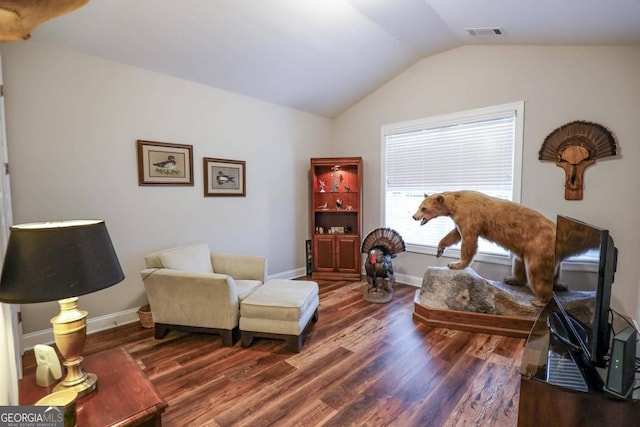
(161, 331)
(228, 336)
(294, 343)
(246, 338)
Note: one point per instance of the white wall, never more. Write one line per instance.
(72, 125)
(558, 85)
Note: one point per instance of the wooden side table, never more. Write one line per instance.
(124, 396)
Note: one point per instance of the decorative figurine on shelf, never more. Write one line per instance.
(339, 204)
(335, 168)
(347, 188)
(323, 207)
(334, 189)
(381, 245)
(322, 185)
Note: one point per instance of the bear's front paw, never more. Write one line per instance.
(560, 287)
(538, 302)
(456, 265)
(513, 281)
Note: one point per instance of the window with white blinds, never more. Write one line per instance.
(473, 150)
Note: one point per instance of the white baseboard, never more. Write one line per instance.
(291, 274)
(93, 325)
(409, 280)
(299, 272)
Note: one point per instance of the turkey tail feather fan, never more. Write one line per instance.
(574, 147)
(597, 139)
(386, 239)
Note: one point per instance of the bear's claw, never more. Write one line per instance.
(512, 281)
(456, 266)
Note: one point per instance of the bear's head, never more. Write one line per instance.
(431, 207)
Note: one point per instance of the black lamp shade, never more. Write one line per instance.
(50, 261)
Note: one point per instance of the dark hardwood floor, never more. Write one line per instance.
(362, 364)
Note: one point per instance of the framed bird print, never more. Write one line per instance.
(224, 177)
(161, 163)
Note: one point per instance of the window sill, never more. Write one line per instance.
(500, 259)
(455, 254)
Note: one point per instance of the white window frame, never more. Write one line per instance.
(452, 119)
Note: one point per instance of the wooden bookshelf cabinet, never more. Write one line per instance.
(336, 209)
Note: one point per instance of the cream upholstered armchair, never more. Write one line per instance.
(192, 289)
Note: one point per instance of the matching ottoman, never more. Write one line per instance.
(280, 309)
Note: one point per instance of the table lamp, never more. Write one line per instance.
(61, 260)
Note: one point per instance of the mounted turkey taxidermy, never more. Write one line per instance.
(380, 245)
(19, 17)
(574, 147)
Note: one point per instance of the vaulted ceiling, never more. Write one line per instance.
(321, 56)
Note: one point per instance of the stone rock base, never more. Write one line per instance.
(465, 290)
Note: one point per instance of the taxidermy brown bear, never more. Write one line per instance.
(527, 234)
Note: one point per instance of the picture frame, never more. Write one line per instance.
(162, 163)
(224, 177)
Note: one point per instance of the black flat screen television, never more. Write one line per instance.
(587, 259)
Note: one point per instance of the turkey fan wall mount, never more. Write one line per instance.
(574, 147)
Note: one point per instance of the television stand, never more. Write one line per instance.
(543, 403)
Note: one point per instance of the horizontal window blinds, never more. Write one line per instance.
(476, 155)
(460, 152)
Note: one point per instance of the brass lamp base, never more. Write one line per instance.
(70, 332)
(82, 388)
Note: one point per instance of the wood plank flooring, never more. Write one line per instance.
(362, 364)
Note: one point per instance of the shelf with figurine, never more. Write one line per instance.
(334, 230)
(345, 222)
(336, 202)
(337, 208)
(336, 179)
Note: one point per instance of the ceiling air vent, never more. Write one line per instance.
(488, 31)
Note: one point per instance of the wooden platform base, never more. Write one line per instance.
(517, 327)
